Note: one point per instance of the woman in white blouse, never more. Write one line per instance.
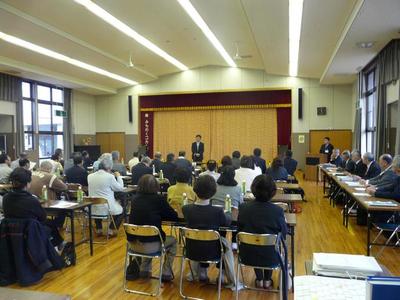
(104, 183)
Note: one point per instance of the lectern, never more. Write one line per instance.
(312, 161)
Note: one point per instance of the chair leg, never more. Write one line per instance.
(377, 236)
(220, 277)
(126, 266)
(160, 275)
(280, 284)
(181, 277)
(237, 278)
(387, 243)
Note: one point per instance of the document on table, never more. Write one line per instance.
(63, 204)
(362, 194)
(360, 189)
(353, 183)
(346, 263)
(382, 203)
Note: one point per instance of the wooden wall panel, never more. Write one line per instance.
(110, 141)
(341, 139)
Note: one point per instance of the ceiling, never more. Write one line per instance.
(330, 30)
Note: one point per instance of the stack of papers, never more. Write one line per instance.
(63, 204)
(381, 203)
(362, 194)
(345, 178)
(345, 265)
(353, 183)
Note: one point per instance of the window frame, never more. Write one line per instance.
(370, 107)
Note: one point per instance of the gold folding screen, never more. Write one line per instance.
(223, 130)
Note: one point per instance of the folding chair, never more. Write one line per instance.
(249, 242)
(203, 246)
(391, 225)
(144, 231)
(108, 217)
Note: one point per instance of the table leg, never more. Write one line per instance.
(345, 209)
(73, 231)
(292, 254)
(368, 231)
(90, 230)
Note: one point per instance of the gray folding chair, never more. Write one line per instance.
(391, 225)
(245, 257)
(203, 246)
(144, 231)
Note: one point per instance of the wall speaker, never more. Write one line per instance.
(130, 109)
(300, 107)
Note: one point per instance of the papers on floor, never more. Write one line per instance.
(382, 203)
(345, 265)
(362, 194)
(327, 288)
(63, 204)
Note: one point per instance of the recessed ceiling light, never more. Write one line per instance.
(192, 12)
(295, 19)
(50, 53)
(365, 45)
(113, 21)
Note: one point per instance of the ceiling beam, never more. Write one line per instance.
(357, 7)
(59, 76)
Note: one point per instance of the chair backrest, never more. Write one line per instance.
(95, 200)
(142, 231)
(202, 245)
(282, 205)
(73, 186)
(257, 239)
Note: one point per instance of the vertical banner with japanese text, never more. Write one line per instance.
(146, 130)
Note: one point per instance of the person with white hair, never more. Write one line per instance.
(103, 183)
(117, 166)
(97, 162)
(45, 177)
(373, 168)
(335, 158)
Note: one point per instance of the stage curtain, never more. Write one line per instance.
(176, 130)
(222, 130)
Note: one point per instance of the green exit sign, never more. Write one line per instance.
(61, 113)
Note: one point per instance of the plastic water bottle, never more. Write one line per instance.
(122, 161)
(44, 193)
(185, 199)
(154, 170)
(244, 187)
(228, 203)
(79, 195)
(161, 175)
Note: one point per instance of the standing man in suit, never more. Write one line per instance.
(197, 149)
(327, 148)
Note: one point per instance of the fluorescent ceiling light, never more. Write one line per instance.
(113, 21)
(44, 51)
(192, 12)
(295, 18)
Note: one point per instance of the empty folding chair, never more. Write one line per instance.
(391, 225)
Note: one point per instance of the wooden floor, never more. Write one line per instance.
(319, 229)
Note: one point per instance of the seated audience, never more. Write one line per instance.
(24, 163)
(259, 161)
(59, 153)
(261, 216)
(227, 185)
(277, 171)
(182, 162)
(392, 192)
(117, 166)
(5, 169)
(211, 170)
(141, 169)
(168, 168)
(175, 192)
(289, 163)
(44, 176)
(77, 174)
(58, 169)
(15, 163)
(336, 159)
(21, 204)
(103, 183)
(149, 208)
(373, 168)
(225, 161)
(157, 162)
(236, 159)
(386, 179)
(360, 168)
(202, 215)
(134, 161)
(347, 163)
(97, 162)
(69, 162)
(246, 172)
(87, 162)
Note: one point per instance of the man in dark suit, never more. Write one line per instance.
(141, 169)
(373, 168)
(168, 168)
(360, 168)
(347, 163)
(182, 162)
(259, 161)
(197, 149)
(76, 173)
(327, 148)
(386, 179)
(156, 162)
(289, 163)
(336, 159)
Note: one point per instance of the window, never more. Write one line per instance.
(369, 115)
(43, 110)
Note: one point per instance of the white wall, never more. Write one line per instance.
(8, 108)
(83, 113)
(112, 115)
(392, 92)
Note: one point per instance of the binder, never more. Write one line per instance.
(383, 288)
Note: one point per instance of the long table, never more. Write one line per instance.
(363, 201)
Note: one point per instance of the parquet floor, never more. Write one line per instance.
(319, 229)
